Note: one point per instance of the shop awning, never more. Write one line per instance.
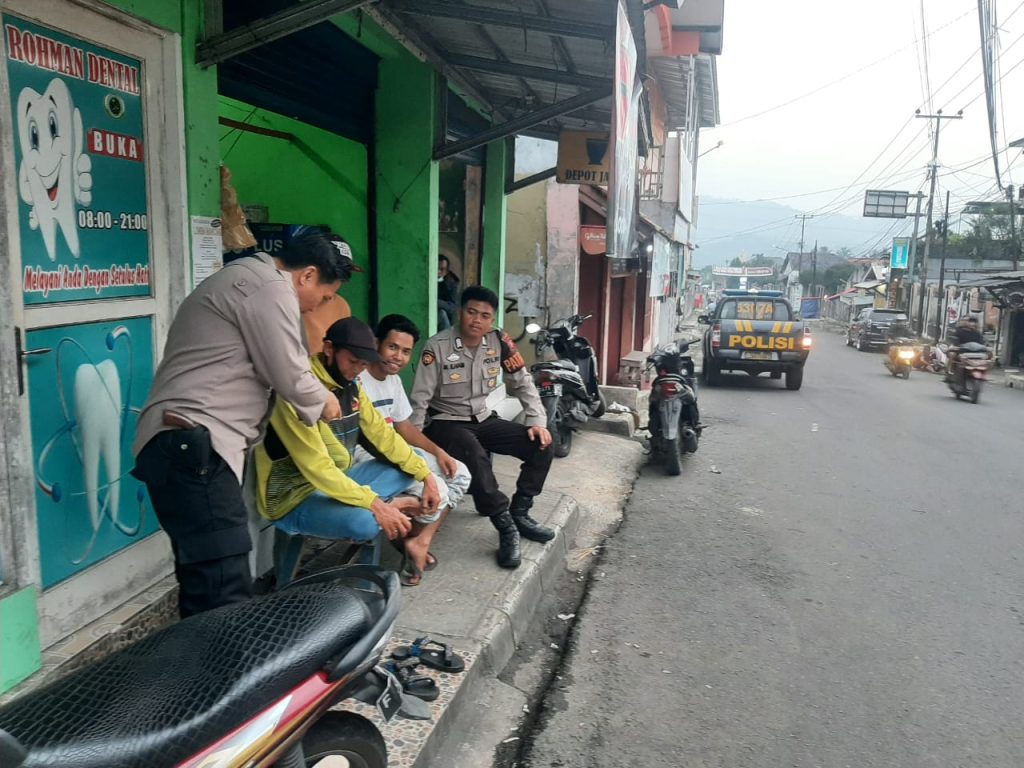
(536, 71)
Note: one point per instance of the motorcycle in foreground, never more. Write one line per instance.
(970, 371)
(250, 684)
(567, 384)
(673, 417)
(902, 357)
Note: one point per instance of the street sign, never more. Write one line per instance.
(900, 256)
(885, 204)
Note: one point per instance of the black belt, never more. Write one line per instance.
(433, 413)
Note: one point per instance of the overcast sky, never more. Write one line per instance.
(848, 108)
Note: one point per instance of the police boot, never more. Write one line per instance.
(528, 527)
(509, 554)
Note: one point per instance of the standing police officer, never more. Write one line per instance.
(459, 368)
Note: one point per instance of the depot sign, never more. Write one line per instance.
(583, 157)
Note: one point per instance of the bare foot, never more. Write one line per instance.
(417, 551)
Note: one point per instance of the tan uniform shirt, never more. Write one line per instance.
(453, 382)
(234, 340)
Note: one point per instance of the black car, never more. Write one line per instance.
(873, 327)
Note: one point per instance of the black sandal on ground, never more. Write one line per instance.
(438, 656)
(421, 686)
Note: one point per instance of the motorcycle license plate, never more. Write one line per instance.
(390, 701)
(550, 388)
(758, 355)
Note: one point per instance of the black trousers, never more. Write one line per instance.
(472, 443)
(198, 501)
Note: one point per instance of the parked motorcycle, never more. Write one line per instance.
(566, 379)
(673, 417)
(970, 370)
(251, 684)
(902, 357)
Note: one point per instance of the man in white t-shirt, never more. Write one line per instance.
(396, 337)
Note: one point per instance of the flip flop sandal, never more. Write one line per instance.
(421, 686)
(440, 656)
(432, 561)
(410, 575)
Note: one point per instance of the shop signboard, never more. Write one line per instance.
(593, 239)
(900, 256)
(583, 157)
(743, 271)
(80, 159)
(622, 186)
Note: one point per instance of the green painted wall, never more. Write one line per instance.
(492, 268)
(407, 196)
(200, 96)
(317, 178)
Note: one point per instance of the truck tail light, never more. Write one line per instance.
(806, 342)
(716, 336)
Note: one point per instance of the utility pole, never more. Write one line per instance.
(803, 223)
(938, 117)
(1013, 234)
(814, 266)
(942, 273)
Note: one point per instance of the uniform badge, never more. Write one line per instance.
(428, 357)
(458, 342)
(492, 383)
(456, 377)
(493, 371)
(453, 357)
(511, 360)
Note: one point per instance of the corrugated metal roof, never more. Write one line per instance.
(673, 77)
(519, 69)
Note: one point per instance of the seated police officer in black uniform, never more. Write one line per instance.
(458, 369)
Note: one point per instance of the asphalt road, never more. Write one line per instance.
(848, 591)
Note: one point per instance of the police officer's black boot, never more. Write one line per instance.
(528, 527)
(509, 553)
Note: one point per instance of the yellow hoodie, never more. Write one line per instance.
(296, 460)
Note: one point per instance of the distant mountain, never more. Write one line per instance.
(730, 228)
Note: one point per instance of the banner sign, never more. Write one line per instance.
(80, 160)
(625, 108)
(583, 157)
(883, 204)
(900, 257)
(743, 271)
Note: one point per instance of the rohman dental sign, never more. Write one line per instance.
(80, 163)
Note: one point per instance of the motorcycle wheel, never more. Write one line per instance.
(343, 734)
(673, 463)
(972, 388)
(906, 372)
(602, 406)
(689, 445)
(561, 435)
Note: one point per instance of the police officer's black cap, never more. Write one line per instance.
(355, 336)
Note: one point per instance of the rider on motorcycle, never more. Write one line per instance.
(966, 333)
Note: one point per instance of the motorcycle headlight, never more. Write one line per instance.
(906, 354)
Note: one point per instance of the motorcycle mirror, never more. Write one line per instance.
(532, 327)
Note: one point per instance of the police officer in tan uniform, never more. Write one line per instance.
(458, 369)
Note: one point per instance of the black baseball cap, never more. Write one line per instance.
(354, 335)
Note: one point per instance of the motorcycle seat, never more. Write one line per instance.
(173, 694)
(566, 365)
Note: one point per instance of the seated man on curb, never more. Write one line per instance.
(459, 368)
(396, 337)
(307, 482)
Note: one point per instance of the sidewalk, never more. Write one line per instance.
(468, 602)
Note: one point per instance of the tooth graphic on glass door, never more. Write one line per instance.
(98, 414)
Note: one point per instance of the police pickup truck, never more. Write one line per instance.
(755, 332)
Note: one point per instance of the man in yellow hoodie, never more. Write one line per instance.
(308, 484)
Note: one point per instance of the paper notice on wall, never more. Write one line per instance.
(207, 248)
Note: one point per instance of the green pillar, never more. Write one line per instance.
(492, 269)
(406, 191)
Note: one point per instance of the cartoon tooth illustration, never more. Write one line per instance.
(55, 172)
(98, 413)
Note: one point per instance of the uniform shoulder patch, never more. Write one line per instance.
(511, 360)
(428, 357)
